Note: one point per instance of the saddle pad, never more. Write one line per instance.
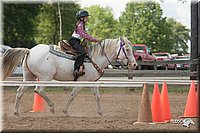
(63, 54)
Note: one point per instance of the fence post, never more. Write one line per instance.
(198, 68)
(198, 65)
(194, 34)
(139, 67)
(198, 41)
(198, 24)
(198, 86)
(155, 67)
(130, 74)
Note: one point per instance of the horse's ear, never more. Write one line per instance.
(122, 37)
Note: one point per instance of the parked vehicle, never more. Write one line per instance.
(142, 53)
(182, 66)
(164, 56)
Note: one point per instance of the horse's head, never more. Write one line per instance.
(125, 53)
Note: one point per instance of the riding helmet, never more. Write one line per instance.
(81, 13)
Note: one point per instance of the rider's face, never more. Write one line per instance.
(85, 19)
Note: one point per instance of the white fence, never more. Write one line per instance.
(114, 83)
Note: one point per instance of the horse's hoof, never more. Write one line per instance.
(16, 113)
(52, 111)
(100, 113)
(65, 112)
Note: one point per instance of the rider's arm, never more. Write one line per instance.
(80, 30)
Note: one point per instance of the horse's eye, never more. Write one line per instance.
(127, 50)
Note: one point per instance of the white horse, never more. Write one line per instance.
(39, 63)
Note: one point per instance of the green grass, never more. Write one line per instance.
(171, 88)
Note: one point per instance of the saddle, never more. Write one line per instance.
(68, 49)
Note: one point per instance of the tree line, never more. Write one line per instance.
(26, 25)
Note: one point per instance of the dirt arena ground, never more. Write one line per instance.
(120, 112)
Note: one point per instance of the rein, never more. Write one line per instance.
(105, 53)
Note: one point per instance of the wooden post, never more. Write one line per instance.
(198, 24)
(130, 74)
(194, 35)
(60, 19)
(198, 65)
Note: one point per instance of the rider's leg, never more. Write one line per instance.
(79, 62)
(75, 43)
(78, 66)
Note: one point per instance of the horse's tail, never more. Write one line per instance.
(11, 59)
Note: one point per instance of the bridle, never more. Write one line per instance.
(122, 44)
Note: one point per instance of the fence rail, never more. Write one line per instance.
(155, 72)
(114, 84)
(195, 61)
(147, 73)
(72, 83)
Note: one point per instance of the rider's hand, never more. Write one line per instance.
(99, 40)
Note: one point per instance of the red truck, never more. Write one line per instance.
(143, 53)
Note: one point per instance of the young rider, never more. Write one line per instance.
(75, 41)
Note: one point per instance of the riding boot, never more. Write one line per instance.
(76, 75)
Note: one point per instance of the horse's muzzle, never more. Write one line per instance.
(132, 66)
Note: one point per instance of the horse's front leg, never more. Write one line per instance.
(95, 91)
(40, 91)
(71, 98)
(19, 94)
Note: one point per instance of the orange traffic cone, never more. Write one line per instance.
(38, 105)
(165, 103)
(191, 105)
(145, 115)
(156, 106)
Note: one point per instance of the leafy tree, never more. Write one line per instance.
(101, 22)
(48, 22)
(18, 24)
(180, 34)
(142, 22)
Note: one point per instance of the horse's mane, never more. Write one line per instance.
(106, 45)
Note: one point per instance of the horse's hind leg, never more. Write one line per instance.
(40, 91)
(71, 98)
(20, 92)
(95, 91)
(28, 76)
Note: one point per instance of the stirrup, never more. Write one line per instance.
(82, 73)
(77, 74)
